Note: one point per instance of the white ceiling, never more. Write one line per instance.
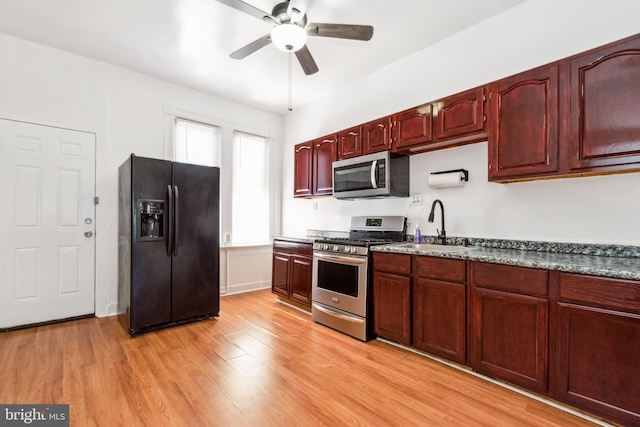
(188, 42)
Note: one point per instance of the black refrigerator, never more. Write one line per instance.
(168, 243)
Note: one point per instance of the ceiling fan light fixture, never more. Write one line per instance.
(288, 37)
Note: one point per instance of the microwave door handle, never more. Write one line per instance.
(374, 181)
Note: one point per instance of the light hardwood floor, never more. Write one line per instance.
(261, 363)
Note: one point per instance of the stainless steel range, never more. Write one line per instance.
(340, 284)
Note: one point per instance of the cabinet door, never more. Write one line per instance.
(302, 165)
(324, 154)
(280, 274)
(460, 114)
(598, 361)
(523, 130)
(509, 337)
(300, 279)
(605, 100)
(392, 307)
(439, 320)
(413, 127)
(350, 143)
(376, 135)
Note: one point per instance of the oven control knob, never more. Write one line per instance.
(351, 249)
(336, 248)
(324, 247)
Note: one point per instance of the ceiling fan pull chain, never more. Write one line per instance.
(290, 103)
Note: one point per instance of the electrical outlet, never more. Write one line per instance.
(416, 200)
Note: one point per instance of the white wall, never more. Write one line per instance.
(603, 209)
(129, 113)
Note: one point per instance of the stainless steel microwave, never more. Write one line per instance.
(382, 174)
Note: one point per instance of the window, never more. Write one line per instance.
(197, 143)
(245, 187)
(251, 190)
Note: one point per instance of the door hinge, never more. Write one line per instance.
(96, 200)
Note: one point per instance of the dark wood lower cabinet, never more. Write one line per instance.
(439, 318)
(292, 270)
(392, 307)
(509, 336)
(597, 359)
(392, 297)
(574, 338)
(300, 286)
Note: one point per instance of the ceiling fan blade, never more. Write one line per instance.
(306, 61)
(246, 8)
(243, 52)
(341, 31)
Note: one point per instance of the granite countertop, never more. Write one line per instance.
(296, 239)
(596, 260)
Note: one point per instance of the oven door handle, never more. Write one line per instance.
(341, 259)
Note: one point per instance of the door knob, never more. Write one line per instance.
(88, 233)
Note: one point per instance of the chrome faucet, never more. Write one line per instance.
(442, 234)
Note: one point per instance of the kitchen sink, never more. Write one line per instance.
(435, 247)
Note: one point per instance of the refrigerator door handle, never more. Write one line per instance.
(176, 221)
(170, 222)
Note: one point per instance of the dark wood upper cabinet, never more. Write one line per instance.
(376, 135)
(461, 114)
(312, 167)
(413, 127)
(302, 166)
(455, 120)
(350, 143)
(523, 136)
(324, 154)
(605, 106)
(576, 116)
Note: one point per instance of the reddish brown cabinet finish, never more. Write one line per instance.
(455, 120)
(439, 307)
(597, 360)
(376, 135)
(461, 114)
(524, 128)
(605, 101)
(413, 127)
(313, 175)
(303, 169)
(509, 327)
(350, 143)
(392, 297)
(324, 154)
(291, 271)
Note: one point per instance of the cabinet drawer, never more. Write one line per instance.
(510, 278)
(392, 263)
(603, 292)
(293, 247)
(450, 270)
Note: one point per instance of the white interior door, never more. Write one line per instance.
(47, 222)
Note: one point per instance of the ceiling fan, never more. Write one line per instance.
(290, 31)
